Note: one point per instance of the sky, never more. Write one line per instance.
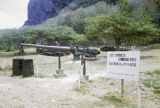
(13, 13)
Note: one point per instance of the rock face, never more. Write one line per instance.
(41, 10)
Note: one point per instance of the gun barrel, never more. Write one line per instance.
(60, 48)
(75, 50)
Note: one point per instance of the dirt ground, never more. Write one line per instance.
(45, 91)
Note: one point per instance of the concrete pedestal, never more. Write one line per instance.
(84, 78)
(59, 73)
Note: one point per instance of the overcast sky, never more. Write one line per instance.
(13, 13)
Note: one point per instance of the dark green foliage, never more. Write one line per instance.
(157, 2)
(114, 99)
(116, 21)
(75, 19)
(155, 72)
(41, 34)
(86, 3)
(7, 39)
(120, 29)
(50, 34)
(157, 91)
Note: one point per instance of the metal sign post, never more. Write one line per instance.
(59, 72)
(59, 62)
(138, 94)
(79, 80)
(84, 67)
(83, 63)
(122, 88)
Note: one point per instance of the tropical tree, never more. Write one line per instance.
(157, 2)
(8, 39)
(120, 29)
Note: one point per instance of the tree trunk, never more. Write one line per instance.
(118, 43)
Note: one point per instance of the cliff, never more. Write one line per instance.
(41, 10)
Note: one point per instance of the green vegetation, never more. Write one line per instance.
(157, 91)
(54, 33)
(93, 22)
(8, 54)
(39, 75)
(41, 34)
(86, 3)
(112, 98)
(104, 79)
(75, 19)
(157, 2)
(108, 99)
(153, 81)
(16, 53)
(120, 29)
(4, 69)
(155, 72)
(84, 88)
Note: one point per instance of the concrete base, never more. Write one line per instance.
(59, 73)
(84, 78)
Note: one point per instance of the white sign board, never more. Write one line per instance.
(123, 65)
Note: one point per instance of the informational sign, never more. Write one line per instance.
(123, 65)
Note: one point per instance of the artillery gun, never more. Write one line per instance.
(52, 50)
(59, 51)
(111, 47)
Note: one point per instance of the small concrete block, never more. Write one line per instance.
(59, 75)
(84, 78)
(59, 72)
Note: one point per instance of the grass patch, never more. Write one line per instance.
(153, 81)
(104, 79)
(8, 68)
(157, 91)
(147, 82)
(110, 97)
(84, 88)
(150, 47)
(114, 99)
(8, 54)
(16, 53)
(39, 75)
(155, 72)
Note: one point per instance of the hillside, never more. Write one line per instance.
(40, 10)
(88, 23)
